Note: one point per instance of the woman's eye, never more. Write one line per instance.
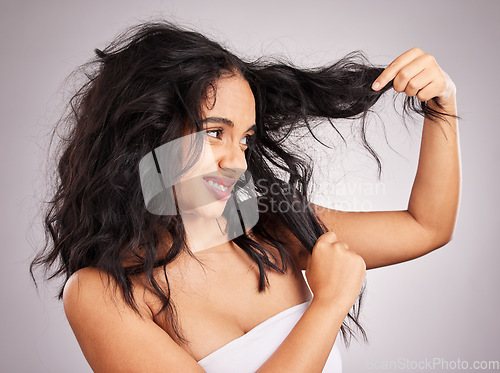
(248, 139)
(216, 132)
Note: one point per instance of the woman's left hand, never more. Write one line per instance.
(417, 73)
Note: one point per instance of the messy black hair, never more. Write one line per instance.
(140, 92)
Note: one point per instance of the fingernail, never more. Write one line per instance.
(375, 85)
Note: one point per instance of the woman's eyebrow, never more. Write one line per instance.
(226, 121)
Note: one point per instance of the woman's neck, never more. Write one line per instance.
(203, 233)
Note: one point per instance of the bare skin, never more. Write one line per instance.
(214, 308)
(391, 237)
(219, 301)
(221, 304)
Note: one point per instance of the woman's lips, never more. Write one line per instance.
(219, 194)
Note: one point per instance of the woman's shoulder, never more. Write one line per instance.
(281, 232)
(88, 280)
(85, 281)
(112, 336)
(95, 288)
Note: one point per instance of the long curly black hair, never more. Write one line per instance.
(139, 93)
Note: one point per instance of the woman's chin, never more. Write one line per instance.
(211, 211)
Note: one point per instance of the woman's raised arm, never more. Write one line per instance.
(388, 237)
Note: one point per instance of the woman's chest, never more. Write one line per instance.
(219, 301)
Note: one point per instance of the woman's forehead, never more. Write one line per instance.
(231, 98)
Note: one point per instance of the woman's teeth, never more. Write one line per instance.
(215, 185)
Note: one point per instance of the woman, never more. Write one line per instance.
(165, 225)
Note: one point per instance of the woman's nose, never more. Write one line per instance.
(233, 156)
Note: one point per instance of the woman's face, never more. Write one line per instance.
(229, 120)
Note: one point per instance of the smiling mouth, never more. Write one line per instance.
(217, 188)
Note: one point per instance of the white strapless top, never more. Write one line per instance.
(248, 352)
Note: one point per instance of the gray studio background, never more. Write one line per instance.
(443, 305)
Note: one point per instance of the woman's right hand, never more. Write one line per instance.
(334, 273)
